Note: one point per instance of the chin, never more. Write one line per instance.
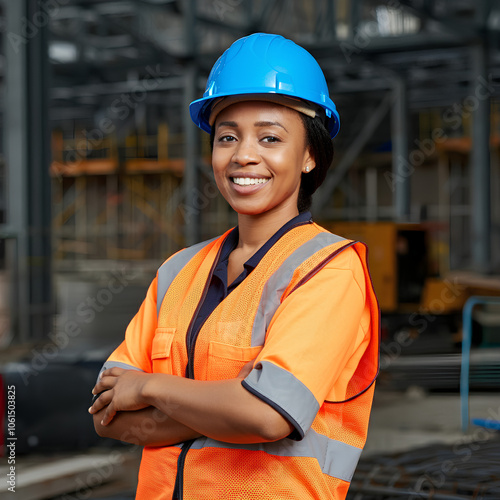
(249, 210)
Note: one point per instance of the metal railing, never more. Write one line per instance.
(468, 308)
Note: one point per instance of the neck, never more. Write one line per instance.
(255, 230)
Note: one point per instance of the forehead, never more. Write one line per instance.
(251, 112)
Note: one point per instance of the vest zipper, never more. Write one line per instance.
(179, 478)
(190, 338)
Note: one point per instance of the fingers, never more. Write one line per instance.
(114, 393)
(109, 414)
(108, 382)
(112, 372)
(105, 382)
(103, 400)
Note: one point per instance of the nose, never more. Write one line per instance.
(245, 153)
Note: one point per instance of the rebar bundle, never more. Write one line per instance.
(463, 470)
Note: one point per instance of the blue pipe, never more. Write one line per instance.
(466, 344)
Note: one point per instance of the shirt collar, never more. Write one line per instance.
(231, 242)
(302, 218)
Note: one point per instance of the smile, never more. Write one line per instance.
(249, 181)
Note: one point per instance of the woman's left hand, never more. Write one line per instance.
(120, 390)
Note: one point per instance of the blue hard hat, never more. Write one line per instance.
(266, 64)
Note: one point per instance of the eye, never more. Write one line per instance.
(271, 139)
(226, 138)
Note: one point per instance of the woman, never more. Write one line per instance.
(249, 370)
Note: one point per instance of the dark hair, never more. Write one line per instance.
(318, 139)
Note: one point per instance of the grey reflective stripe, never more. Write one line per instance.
(170, 269)
(285, 393)
(118, 364)
(336, 459)
(279, 280)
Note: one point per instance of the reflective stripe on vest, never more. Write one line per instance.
(169, 270)
(335, 458)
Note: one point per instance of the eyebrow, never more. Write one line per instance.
(268, 124)
(227, 124)
(256, 124)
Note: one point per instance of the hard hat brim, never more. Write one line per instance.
(201, 109)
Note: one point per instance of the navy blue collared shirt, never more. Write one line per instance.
(218, 289)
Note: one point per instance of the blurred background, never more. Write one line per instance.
(103, 176)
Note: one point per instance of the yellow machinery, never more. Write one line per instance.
(409, 270)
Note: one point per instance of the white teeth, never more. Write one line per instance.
(248, 181)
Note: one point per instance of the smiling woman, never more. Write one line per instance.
(253, 358)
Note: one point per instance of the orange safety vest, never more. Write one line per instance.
(318, 461)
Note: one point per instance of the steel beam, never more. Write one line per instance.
(38, 180)
(27, 143)
(324, 193)
(192, 203)
(16, 148)
(401, 167)
(115, 88)
(480, 165)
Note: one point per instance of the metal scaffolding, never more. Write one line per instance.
(119, 67)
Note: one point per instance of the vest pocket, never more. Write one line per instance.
(225, 361)
(161, 350)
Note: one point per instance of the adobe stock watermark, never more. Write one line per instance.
(453, 116)
(222, 7)
(104, 469)
(419, 322)
(364, 34)
(31, 27)
(138, 435)
(86, 312)
(434, 478)
(118, 111)
(199, 200)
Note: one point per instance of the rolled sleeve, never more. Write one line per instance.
(274, 385)
(314, 343)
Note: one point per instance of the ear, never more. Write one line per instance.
(309, 161)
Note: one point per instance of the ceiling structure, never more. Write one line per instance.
(361, 44)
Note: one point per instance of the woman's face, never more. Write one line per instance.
(258, 156)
